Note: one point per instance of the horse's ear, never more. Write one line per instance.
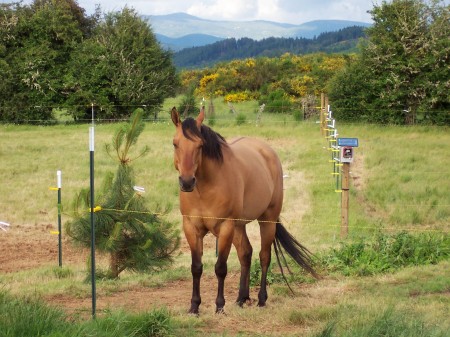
(201, 117)
(175, 116)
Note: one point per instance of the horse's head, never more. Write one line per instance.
(187, 143)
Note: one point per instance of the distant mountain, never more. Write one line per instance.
(344, 40)
(181, 24)
(187, 41)
(178, 25)
(315, 28)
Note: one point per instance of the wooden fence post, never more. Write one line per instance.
(322, 112)
(325, 114)
(345, 198)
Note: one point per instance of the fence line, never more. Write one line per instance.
(328, 125)
(407, 229)
(341, 170)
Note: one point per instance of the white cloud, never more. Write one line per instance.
(220, 10)
(351, 10)
(269, 9)
(288, 11)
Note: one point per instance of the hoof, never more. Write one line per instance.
(193, 312)
(262, 298)
(246, 301)
(220, 311)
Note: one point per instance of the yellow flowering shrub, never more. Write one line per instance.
(205, 80)
(333, 63)
(238, 97)
(301, 85)
(250, 63)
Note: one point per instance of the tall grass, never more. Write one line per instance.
(387, 253)
(40, 320)
(31, 317)
(387, 323)
(405, 174)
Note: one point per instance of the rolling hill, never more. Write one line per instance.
(179, 30)
(187, 41)
(344, 40)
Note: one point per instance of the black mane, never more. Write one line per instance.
(212, 141)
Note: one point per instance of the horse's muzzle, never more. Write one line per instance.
(187, 184)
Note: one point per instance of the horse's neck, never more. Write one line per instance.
(212, 171)
(207, 172)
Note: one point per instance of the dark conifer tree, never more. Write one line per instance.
(136, 239)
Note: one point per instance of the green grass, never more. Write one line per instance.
(40, 320)
(43, 320)
(387, 323)
(407, 168)
(387, 253)
(399, 182)
(412, 300)
(403, 173)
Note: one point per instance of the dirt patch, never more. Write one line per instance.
(418, 293)
(273, 320)
(358, 172)
(173, 295)
(26, 247)
(358, 176)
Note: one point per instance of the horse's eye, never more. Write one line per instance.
(175, 146)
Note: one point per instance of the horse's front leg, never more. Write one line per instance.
(195, 241)
(197, 271)
(225, 240)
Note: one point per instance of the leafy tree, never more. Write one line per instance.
(135, 238)
(395, 53)
(350, 93)
(120, 67)
(188, 104)
(276, 101)
(438, 79)
(8, 24)
(36, 42)
(403, 68)
(52, 55)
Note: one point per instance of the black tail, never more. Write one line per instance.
(301, 255)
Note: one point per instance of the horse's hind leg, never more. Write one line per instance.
(267, 230)
(244, 251)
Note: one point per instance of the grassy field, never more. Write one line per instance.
(399, 181)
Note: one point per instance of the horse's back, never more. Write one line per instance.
(257, 155)
(260, 172)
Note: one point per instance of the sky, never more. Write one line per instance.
(284, 11)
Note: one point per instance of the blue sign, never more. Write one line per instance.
(353, 142)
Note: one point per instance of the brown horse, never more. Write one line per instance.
(223, 187)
